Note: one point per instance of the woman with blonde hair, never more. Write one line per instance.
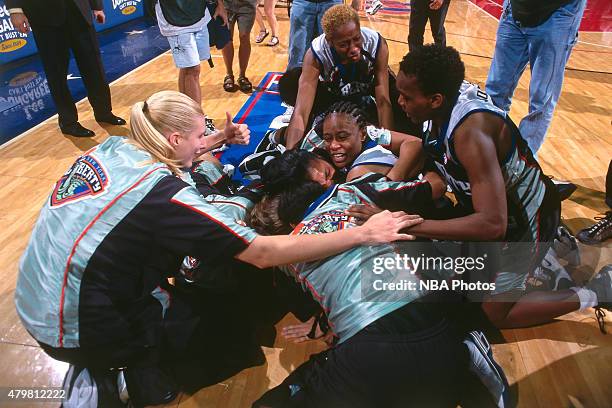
(93, 282)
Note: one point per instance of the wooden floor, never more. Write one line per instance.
(564, 364)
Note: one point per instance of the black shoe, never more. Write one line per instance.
(598, 232)
(76, 130)
(149, 386)
(564, 188)
(111, 120)
(601, 284)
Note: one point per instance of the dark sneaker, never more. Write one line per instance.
(564, 188)
(566, 246)
(149, 386)
(268, 142)
(91, 388)
(601, 284)
(597, 232)
(253, 163)
(552, 274)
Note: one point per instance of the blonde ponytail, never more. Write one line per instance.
(162, 113)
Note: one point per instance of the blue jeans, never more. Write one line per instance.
(305, 26)
(547, 48)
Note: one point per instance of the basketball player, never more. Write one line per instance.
(352, 63)
(497, 182)
(393, 348)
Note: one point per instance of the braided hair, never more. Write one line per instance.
(348, 108)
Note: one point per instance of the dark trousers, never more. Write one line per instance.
(54, 44)
(385, 365)
(419, 14)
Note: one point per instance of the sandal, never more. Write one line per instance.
(273, 41)
(244, 84)
(261, 36)
(228, 84)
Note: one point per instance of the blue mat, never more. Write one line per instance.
(258, 112)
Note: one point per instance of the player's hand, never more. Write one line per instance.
(236, 133)
(362, 212)
(435, 4)
(221, 12)
(298, 333)
(20, 22)
(384, 227)
(99, 16)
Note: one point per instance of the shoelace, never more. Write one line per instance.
(604, 222)
(600, 316)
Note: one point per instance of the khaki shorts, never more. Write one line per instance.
(242, 12)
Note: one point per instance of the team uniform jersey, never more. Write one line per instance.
(354, 81)
(532, 204)
(336, 282)
(206, 173)
(112, 231)
(209, 181)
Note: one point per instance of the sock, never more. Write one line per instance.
(587, 297)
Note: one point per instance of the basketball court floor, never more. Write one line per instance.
(567, 363)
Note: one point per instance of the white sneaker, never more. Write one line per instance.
(374, 7)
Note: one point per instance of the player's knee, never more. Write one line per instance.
(191, 71)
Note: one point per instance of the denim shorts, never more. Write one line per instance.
(188, 49)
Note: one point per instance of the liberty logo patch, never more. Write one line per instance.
(329, 222)
(86, 178)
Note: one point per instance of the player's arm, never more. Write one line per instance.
(362, 169)
(381, 86)
(307, 90)
(410, 160)
(267, 251)
(477, 153)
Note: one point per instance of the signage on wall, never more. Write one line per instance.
(15, 45)
(126, 7)
(12, 42)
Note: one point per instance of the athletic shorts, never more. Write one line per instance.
(524, 253)
(241, 12)
(189, 49)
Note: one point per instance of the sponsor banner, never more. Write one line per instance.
(120, 11)
(15, 45)
(26, 95)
